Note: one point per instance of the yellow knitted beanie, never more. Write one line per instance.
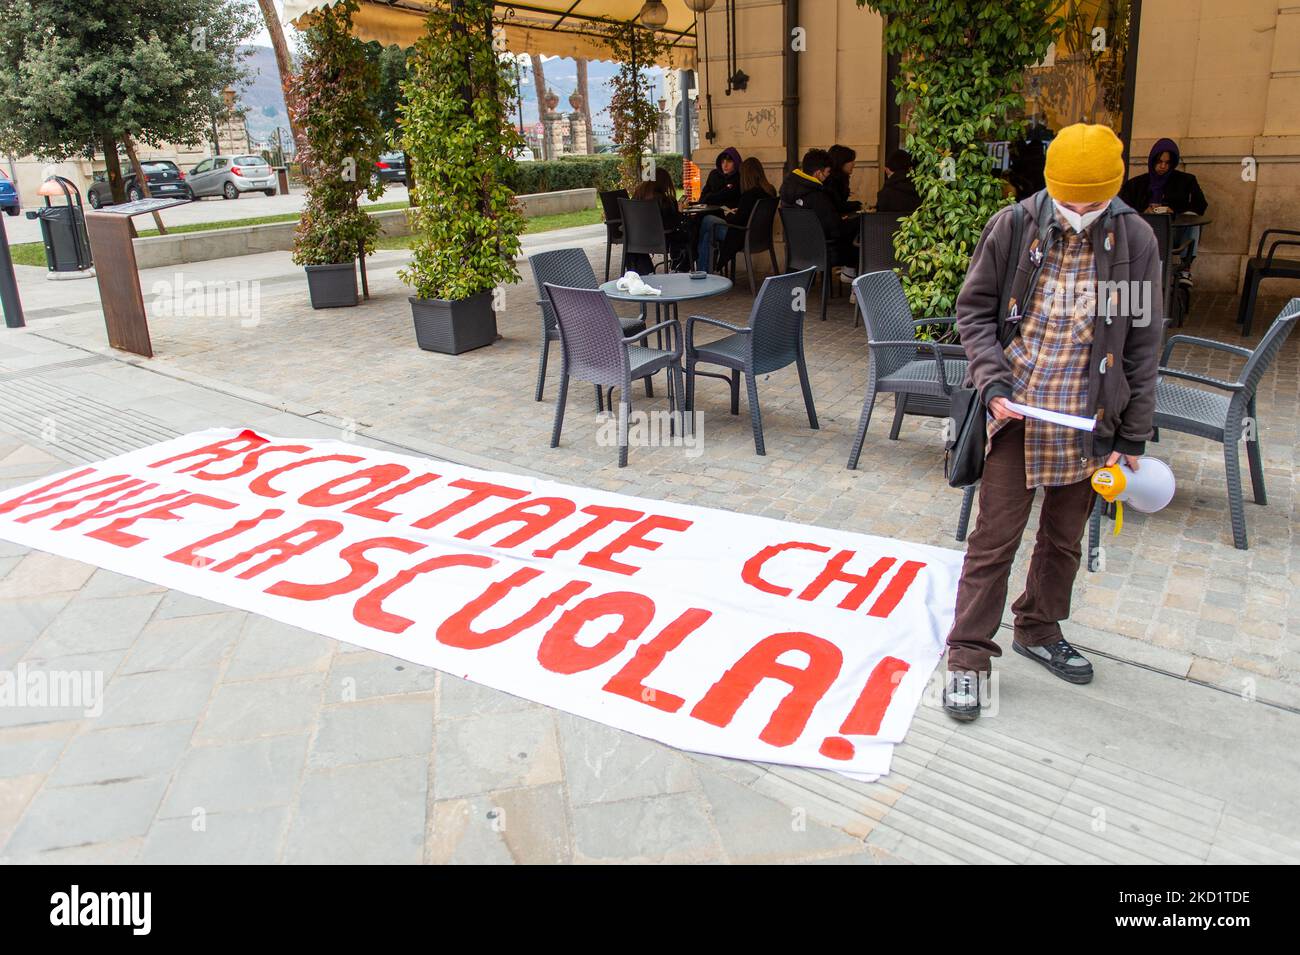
(1084, 164)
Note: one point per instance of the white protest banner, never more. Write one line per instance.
(712, 631)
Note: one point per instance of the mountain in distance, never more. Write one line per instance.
(262, 98)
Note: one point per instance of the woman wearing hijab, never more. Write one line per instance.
(1166, 188)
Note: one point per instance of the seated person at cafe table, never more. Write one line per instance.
(713, 229)
(722, 188)
(662, 190)
(1166, 188)
(837, 185)
(805, 188)
(898, 194)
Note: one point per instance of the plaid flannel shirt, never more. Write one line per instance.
(1049, 363)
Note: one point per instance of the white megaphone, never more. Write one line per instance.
(1147, 489)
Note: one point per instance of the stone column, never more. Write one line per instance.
(578, 126)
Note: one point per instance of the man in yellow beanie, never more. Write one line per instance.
(1060, 311)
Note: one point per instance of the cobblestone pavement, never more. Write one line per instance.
(1175, 593)
(225, 737)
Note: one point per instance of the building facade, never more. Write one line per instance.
(1220, 77)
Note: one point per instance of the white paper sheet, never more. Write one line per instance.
(1054, 417)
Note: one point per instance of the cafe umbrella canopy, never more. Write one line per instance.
(572, 28)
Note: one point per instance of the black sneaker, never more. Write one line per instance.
(1060, 658)
(961, 695)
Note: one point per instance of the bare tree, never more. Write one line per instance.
(283, 61)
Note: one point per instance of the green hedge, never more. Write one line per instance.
(579, 172)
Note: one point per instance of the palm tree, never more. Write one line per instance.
(586, 102)
(539, 82)
(283, 61)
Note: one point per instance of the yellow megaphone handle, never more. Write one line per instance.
(1119, 517)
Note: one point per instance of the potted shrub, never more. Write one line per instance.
(455, 127)
(341, 139)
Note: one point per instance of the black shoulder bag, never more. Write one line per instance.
(963, 457)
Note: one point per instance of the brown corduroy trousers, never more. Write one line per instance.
(1004, 506)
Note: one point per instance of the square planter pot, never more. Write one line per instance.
(332, 286)
(452, 327)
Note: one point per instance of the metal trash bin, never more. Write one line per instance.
(63, 227)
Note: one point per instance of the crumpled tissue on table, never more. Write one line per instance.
(634, 285)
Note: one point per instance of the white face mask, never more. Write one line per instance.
(1076, 221)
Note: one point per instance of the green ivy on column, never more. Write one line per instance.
(962, 63)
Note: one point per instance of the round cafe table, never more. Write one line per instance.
(674, 287)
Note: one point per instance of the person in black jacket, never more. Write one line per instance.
(805, 188)
(713, 229)
(842, 160)
(1165, 188)
(898, 194)
(722, 188)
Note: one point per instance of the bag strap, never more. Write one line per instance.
(1046, 208)
(1013, 261)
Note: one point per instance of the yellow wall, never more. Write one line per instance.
(1221, 77)
(841, 75)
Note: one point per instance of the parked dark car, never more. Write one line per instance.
(9, 200)
(391, 167)
(166, 181)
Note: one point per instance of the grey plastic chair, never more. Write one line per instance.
(876, 244)
(594, 349)
(772, 341)
(806, 246)
(570, 268)
(757, 237)
(896, 364)
(1162, 225)
(1225, 413)
(613, 223)
(1262, 267)
(643, 231)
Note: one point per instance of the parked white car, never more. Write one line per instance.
(524, 154)
(229, 176)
